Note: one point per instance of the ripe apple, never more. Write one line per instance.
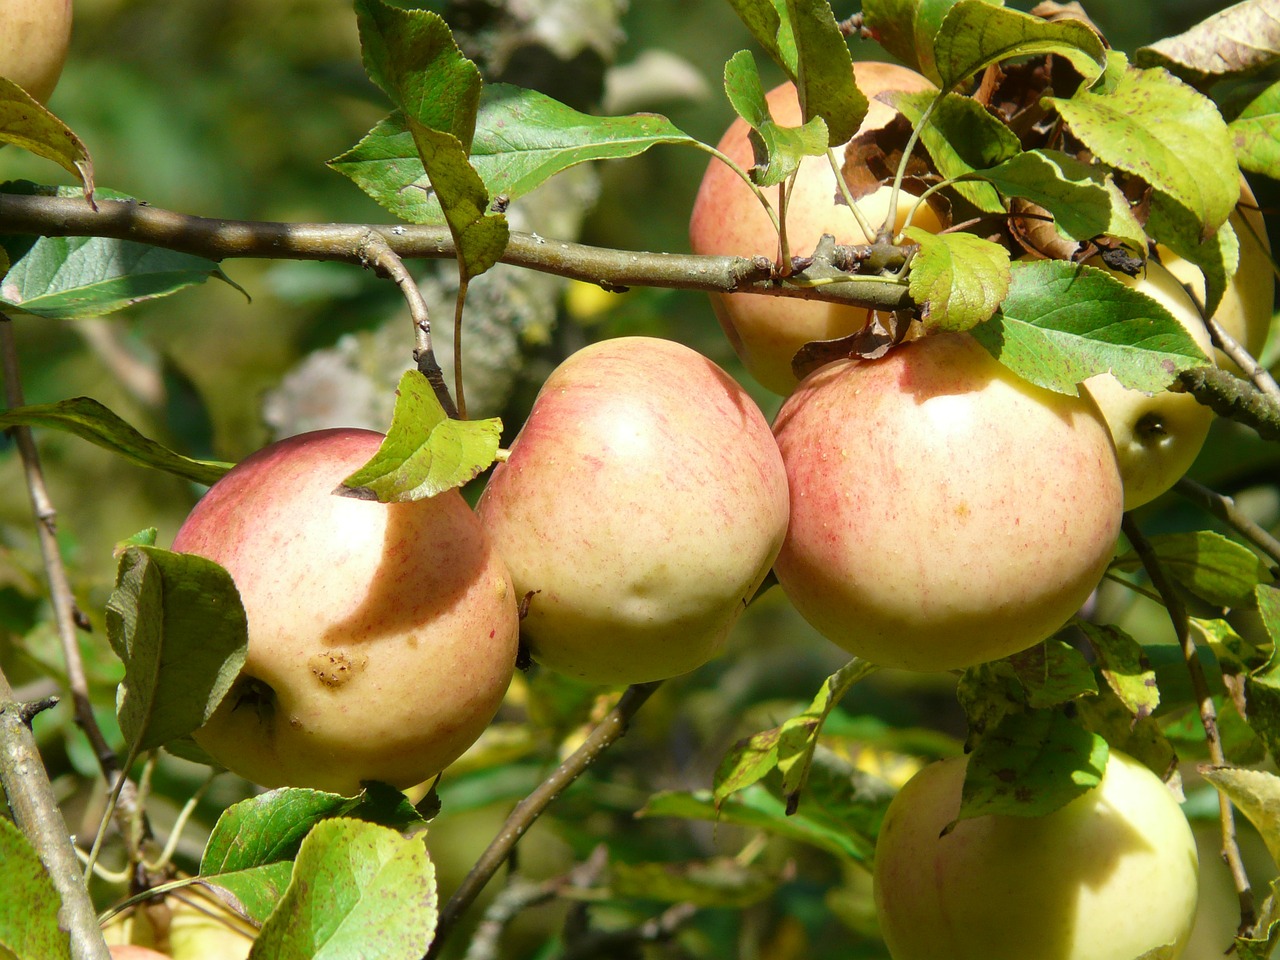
(382, 637)
(1248, 304)
(1110, 876)
(1157, 436)
(34, 35)
(130, 951)
(727, 219)
(642, 505)
(188, 924)
(944, 512)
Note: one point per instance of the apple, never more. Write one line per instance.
(1110, 876)
(1157, 436)
(1248, 304)
(186, 924)
(727, 219)
(641, 507)
(34, 35)
(944, 512)
(382, 637)
(130, 951)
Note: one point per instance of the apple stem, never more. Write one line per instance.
(607, 732)
(1208, 712)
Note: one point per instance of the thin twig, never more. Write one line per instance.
(1241, 357)
(607, 732)
(376, 251)
(1225, 509)
(1208, 712)
(613, 943)
(35, 812)
(519, 895)
(221, 239)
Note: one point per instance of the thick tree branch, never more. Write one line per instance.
(36, 814)
(1230, 396)
(609, 730)
(1208, 712)
(611, 269)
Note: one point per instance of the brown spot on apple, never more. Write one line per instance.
(334, 668)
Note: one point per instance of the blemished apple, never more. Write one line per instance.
(1157, 436)
(34, 35)
(1110, 876)
(382, 637)
(944, 512)
(1247, 308)
(727, 219)
(641, 508)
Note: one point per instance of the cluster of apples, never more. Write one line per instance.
(945, 513)
(926, 510)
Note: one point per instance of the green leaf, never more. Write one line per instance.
(1124, 666)
(770, 24)
(1268, 600)
(1063, 323)
(974, 35)
(789, 747)
(1053, 673)
(411, 56)
(959, 280)
(1030, 765)
(27, 124)
(29, 926)
(962, 137)
(1234, 42)
(1217, 258)
(1211, 566)
(71, 278)
(1256, 794)
(1158, 128)
(1140, 737)
(1256, 134)
(1082, 198)
(425, 452)
(177, 623)
(1261, 948)
(90, 420)
(522, 139)
(824, 76)
(907, 28)
(251, 850)
(759, 809)
(718, 882)
(358, 889)
(479, 237)
(778, 149)
(989, 692)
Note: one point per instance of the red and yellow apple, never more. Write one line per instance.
(728, 219)
(382, 637)
(34, 35)
(1157, 436)
(641, 507)
(1110, 876)
(944, 512)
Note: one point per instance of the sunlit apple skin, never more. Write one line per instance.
(1248, 304)
(1110, 876)
(642, 505)
(129, 951)
(727, 219)
(1157, 436)
(387, 632)
(944, 512)
(34, 35)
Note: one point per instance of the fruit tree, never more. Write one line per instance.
(575, 479)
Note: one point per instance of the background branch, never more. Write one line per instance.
(1208, 712)
(608, 731)
(36, 814)
(611, 269)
